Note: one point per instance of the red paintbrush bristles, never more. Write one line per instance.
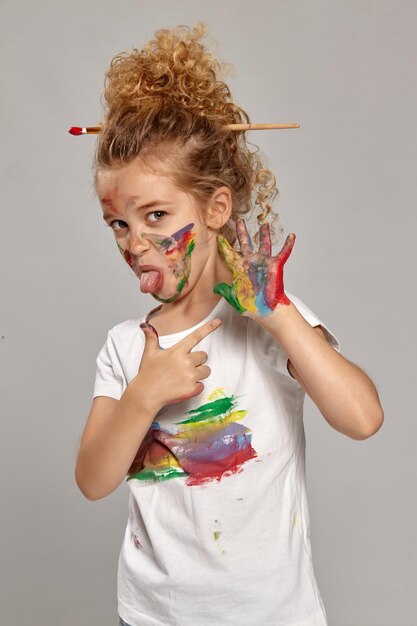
(75, 130)
(90, 130)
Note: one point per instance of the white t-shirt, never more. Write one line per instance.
(218, 527)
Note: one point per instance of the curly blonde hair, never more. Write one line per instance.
(167, 101)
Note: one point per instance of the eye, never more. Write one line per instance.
(118, 224)
(157, 214)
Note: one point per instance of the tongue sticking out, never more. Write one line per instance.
(150, 281)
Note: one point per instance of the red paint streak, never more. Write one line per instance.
(137, 463)
(207, 472)
(274, 288)
(158, 447)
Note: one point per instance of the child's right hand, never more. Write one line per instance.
(173, 374)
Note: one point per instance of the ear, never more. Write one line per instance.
(219, 208)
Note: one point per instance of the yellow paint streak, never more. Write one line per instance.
(211, 425)
(216, 394)
(168, 460)
(244, 289)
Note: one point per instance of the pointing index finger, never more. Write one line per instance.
(191, 340)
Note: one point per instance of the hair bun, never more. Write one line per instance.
(172, 70)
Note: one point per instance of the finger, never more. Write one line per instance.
(265, 240)
(287, 248)
(203, 371)
(199, 358)
(191, 340)
(226, 251)
(245, 242)
(227, 292)
(198, 389)
(151, 338)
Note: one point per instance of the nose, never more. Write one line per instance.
(137, 244)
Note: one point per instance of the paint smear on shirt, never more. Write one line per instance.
(208, 445)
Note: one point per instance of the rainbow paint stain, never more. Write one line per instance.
(178, 248)
(258, 284)
(207, 446)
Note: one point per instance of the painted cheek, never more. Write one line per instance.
(126, 255)
(172, 245)
(179, 259)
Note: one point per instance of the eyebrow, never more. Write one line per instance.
(132, 201)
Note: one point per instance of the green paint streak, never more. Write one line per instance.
(191, 247)
(210, 411)
(166, 299)
(157, 475)
(228, 293)
(216, 534)
(239, 499)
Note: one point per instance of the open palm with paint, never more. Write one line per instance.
(258, 282)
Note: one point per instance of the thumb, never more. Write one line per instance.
(151, 338)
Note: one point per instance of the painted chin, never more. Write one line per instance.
(173, 288)
(170, 291)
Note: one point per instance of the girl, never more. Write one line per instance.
(218, 528)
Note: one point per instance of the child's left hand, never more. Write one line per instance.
(258, 283)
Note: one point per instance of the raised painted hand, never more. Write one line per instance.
(258, 282)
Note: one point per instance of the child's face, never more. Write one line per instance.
(158, 228)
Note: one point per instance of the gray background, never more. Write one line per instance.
(346, 71)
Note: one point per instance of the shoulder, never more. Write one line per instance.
(125, 328)
(126, 335)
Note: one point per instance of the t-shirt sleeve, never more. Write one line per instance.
(109, 380)
(270, 352)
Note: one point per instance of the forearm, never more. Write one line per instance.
(105, 456)
(344, 394)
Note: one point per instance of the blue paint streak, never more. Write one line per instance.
(221, 445)
(182, 232)
(261, 305)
